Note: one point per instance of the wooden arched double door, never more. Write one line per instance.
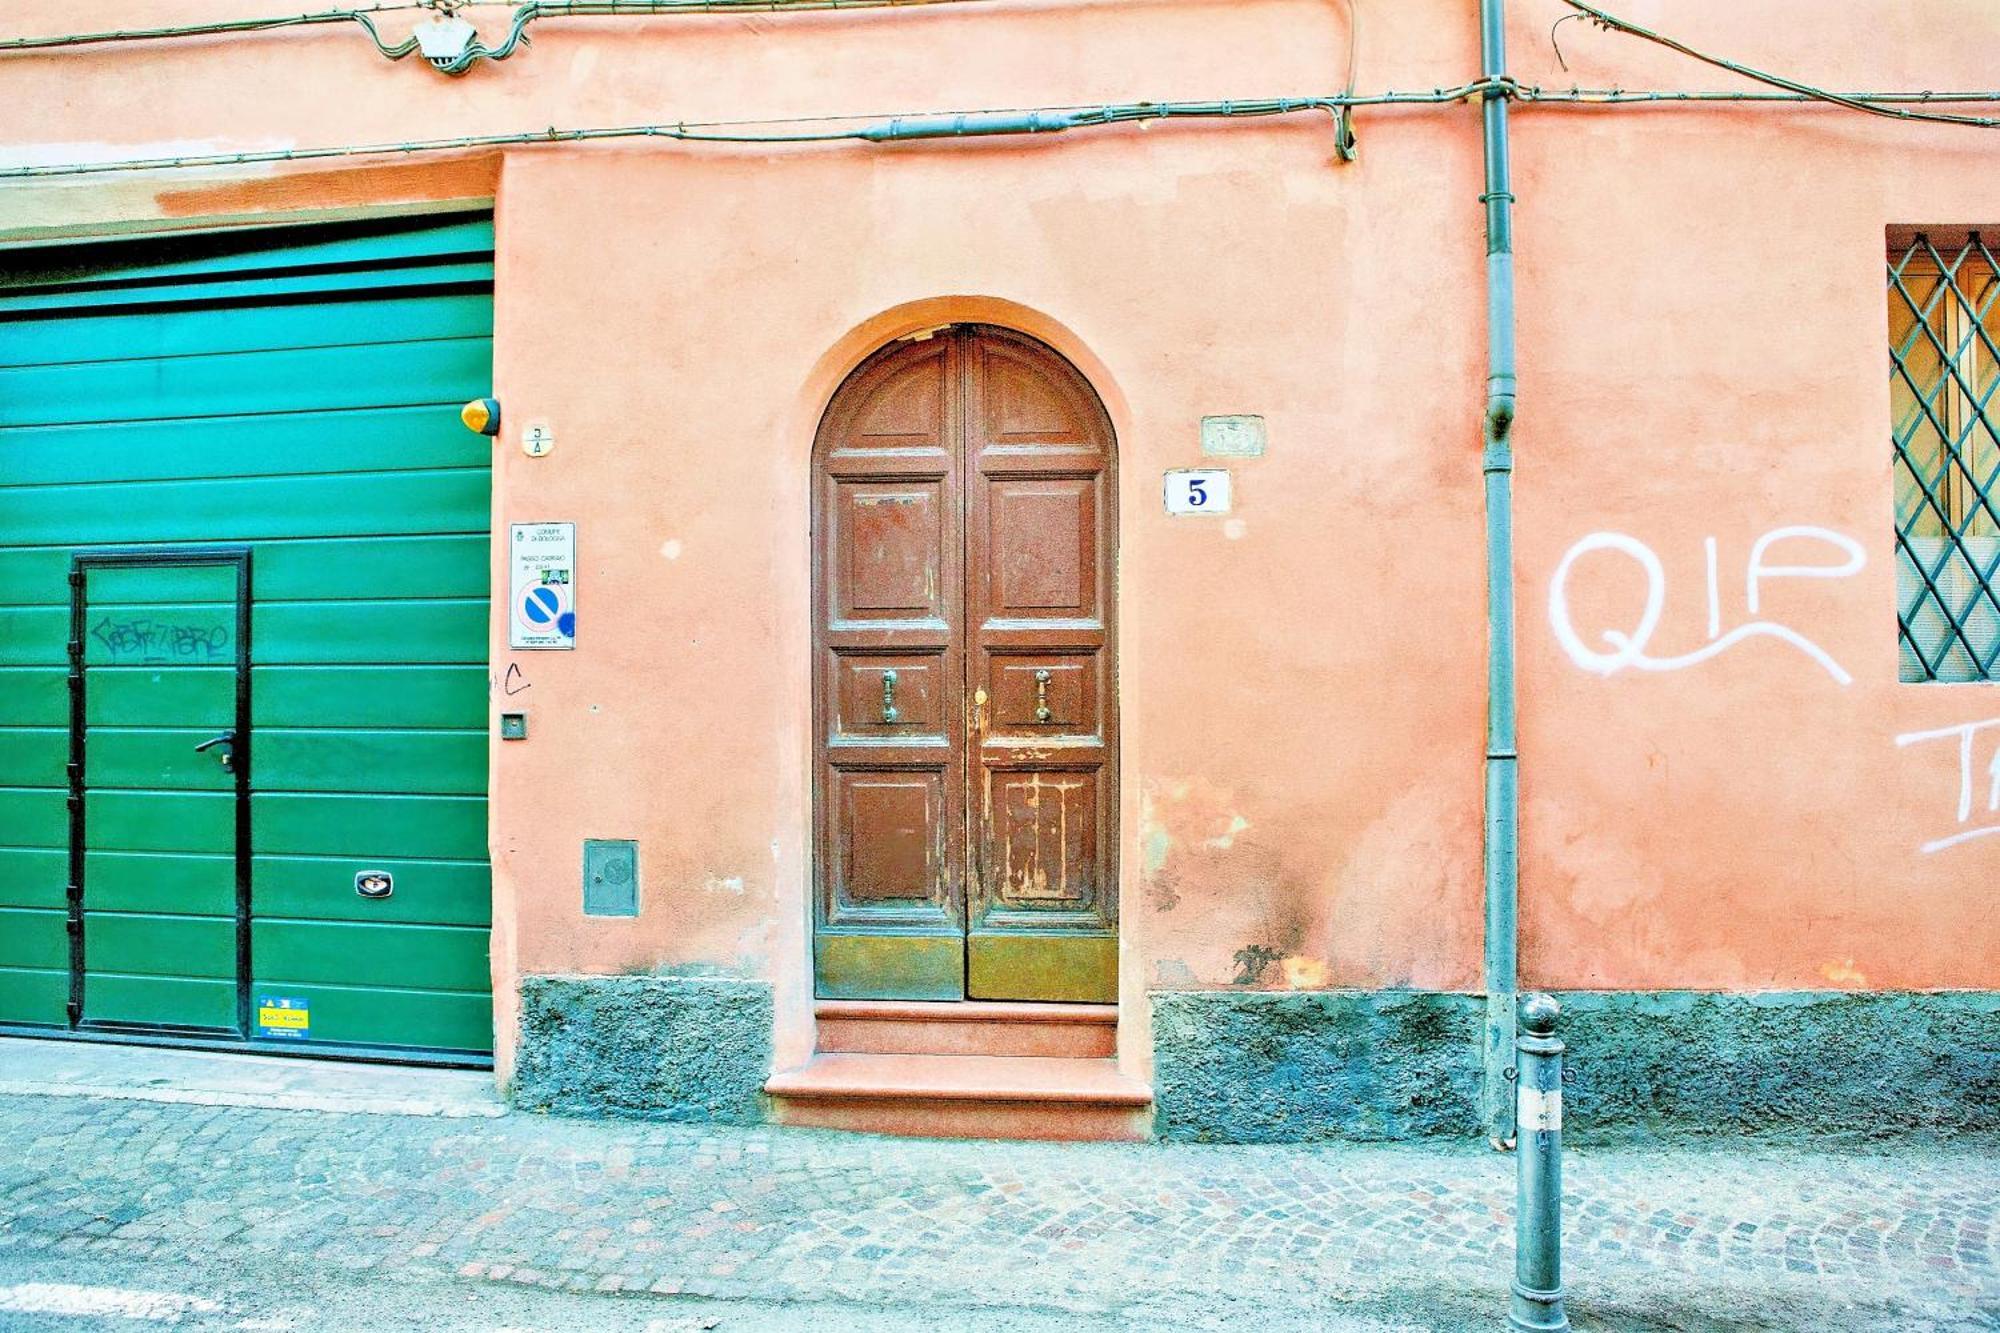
(966, 780)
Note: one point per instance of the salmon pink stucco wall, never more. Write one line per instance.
(1301, 686)
(1704, 355)
(1245, 816)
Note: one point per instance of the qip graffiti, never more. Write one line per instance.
(1628, 648)
(1970, 774)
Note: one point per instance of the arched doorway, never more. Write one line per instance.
(965, 791)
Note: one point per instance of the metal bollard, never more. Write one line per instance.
(1538, 1296)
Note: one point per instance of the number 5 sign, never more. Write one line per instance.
(1198, 490)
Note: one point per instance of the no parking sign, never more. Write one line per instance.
(542, 603)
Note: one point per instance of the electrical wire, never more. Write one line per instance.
(880, 130)
(1345, 115)
(1807, 91)
(1575, 96)
(475, 51)
(1035, 120)
(206, 29)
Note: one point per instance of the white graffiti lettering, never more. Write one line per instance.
(1628, 648)
(1968, 778)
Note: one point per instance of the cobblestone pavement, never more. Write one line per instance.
(1126, 1236)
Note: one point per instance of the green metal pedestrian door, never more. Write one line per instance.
(243, 638)
(159, 727)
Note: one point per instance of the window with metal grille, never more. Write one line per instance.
(1944, 370)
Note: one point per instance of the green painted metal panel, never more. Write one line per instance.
(296, 571)
(245, 328)
(32, 938)
(294, 391)
(447, 826)
(33, 697)
(242, 509)
(155, 944)
(200, 697)
(410, 631)
(383, 439)
(121, 587)
(369, 696)
(154, 757)
(34, 876)
(33, 995)
(368, 246)
(181, 882)
(307, 379)
(450, 763)
(434, 1020)
(376, 567)
(461, 277)
(185, 1001)
(444, 893)
(34, 756)
(33, 635)
(159, 821)
(373, 954)
(34, 816)
(34, 576)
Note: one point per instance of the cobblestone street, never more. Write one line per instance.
(652, 1222)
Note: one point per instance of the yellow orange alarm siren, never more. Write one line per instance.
(482, 415)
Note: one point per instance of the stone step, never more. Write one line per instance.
(964, 1096)
(969, 1027)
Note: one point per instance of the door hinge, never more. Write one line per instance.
(76, 577)
(75, 1012)
(75, 650)
(74, 774)
(73, 924)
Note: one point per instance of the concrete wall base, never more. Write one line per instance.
(1263, 1067)
(1286, 1066)
(694, 1049)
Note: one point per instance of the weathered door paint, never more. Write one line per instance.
(965, 687)
(290, 394)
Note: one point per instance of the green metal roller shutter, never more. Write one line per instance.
(292, 392)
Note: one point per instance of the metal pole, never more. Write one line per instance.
(1538, 1297)
(1497, 462)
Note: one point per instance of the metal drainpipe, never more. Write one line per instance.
(1503, 815)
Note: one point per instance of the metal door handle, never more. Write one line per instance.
(225, 745)
(1042, 713)
(889, 713)
(978, 713)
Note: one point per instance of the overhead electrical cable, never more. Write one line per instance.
(894, 129)
(1852, 102)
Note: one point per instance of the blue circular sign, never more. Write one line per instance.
(541, 606)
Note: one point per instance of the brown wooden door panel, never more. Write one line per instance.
(965, 684)
(890, 696)
(1038, 548)
(1041, 696)
(891, 537)
(1042, 901)
(890, 832)
(1043, 849)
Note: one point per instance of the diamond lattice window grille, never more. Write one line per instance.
(1944, 388)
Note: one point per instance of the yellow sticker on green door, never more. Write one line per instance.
(283, 1016)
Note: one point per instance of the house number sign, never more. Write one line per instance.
(1194, 491)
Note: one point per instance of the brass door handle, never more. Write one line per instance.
(890, 715)
(979, 712)
(1042, 713)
